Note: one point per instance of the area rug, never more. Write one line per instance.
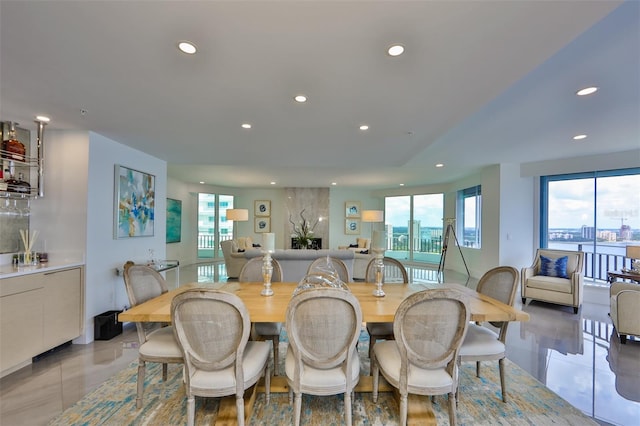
(480, 403)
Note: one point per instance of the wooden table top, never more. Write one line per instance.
(273, 308)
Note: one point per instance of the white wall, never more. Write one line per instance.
(104, 290)
(186, 250)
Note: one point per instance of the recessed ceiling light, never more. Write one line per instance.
(201, 183)
(246, 125)
(579, 137)
(334, 183)
(300, 98)
(395, 50)
(439, 165)
(402, 184)
(364, 127)
(187, 47)
(587, 91)
(43, 118)
(272, 183)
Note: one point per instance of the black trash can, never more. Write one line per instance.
(106, 325)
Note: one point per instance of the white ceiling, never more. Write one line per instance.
(481, 82)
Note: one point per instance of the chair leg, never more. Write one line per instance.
(240, 409)
(503, 385)
(452, 408)
(623, 339)
(141, 371)
(372, 341)
(276, 343)
(575, 309)
(164, 372)
(297, 408)
(191, 411)
(347, 408)
(267, 384)
(375, 373)
(524, 300)
(477, 368)
(403, 409)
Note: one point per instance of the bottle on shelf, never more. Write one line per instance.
(12, 148)
(18, 185)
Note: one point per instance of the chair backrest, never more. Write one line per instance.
(429, 327)
(227, 248)
(324, 263)
(575, 259)
(143, 283)
(500, 283)
(394, 271)
(252, 271)
(212, 328)
(323, 326)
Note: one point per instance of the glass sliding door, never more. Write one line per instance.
(595, 212)
(212, 224)
(413, 226)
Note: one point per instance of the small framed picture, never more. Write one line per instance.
(352, 226)
(262, 208)
(262, 225)
(352, 209)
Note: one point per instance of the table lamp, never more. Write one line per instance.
(633, 253)
(372, 216)
(237, 215)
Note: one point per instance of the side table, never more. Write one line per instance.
(623, 275)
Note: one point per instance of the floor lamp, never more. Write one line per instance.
(237, 215)
(373, 216)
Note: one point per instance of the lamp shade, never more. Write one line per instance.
(633, 252)
(239, 215)
(372, 215)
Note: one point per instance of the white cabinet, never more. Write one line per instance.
(38, 312)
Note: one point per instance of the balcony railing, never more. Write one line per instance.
(596, 265)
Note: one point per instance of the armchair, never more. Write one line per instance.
(554, 279)
(233, 260)
(625, 315)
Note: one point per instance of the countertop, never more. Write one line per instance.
(8, 271)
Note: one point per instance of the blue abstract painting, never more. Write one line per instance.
(174, 220)
(135, 203)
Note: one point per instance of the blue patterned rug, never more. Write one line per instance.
(480, 403)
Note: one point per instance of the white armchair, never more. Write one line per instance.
(625, 315)
(552, 279)
(233, 260)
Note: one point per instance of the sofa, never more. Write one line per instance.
(551, 278)
(295, 263)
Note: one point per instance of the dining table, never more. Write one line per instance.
(374, 309)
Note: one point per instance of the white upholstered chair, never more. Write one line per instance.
(156, 340)
(233, 261)
(323, 326)
(552, 279)
(212, 328)
(338, 266)
(624, 304)
(429, 327)
(481, 343)
(252, 272)
(394, 273)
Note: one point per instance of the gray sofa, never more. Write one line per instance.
(295, 263)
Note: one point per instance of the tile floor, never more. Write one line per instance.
(574, 355)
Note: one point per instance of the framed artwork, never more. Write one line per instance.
(134, 203)
(262, 208)
(262, 225)
(352, 226)
(174, 220)
(352, 209)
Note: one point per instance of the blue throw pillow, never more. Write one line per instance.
(554, 267)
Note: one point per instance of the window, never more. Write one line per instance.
(413, 227)
(469, 214)
(212, 224)
(594, 212)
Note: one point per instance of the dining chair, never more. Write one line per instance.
(252, 272)
(212, 328)
(323, 325)
(324, 264)
(156, 340)
(394, 273)
(481, 343)
(429, 327)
